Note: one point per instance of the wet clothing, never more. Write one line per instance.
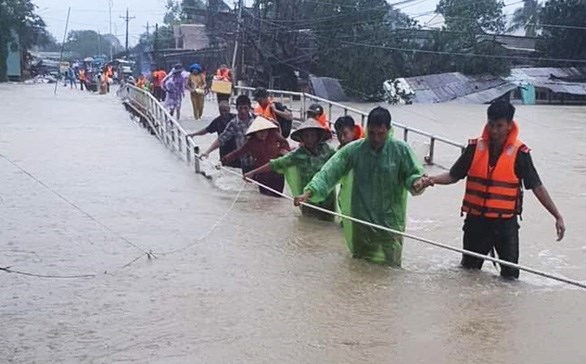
(266, 112)
(261, 151)
(299, 167)
(175, 87)
(374, 187)
(197, 84)
(271, 179)
(236, 131)
(482, 233)
(158, 77)
(524, 167)
(217, 126)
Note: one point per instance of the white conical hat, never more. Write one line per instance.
(260, 124)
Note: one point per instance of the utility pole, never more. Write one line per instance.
(238, 35)
(99, 43)
(110, 4)
(127, 19)
(156, 45)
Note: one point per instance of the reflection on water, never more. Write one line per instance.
(268, 285)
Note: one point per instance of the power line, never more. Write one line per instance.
(463, 54)
(127, 19)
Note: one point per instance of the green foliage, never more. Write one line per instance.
(472, 17)
(464, 21)
(20, 16)
(526, 17)
(567, 41)
(88, 43)
(342, 52)
(179, 11)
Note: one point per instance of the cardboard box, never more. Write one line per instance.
(222, 87)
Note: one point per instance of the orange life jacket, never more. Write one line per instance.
(109, 71)
(323, 120)
(81, 75)
(224, 75)
(266, 112)
(358, 132)
(494, 192)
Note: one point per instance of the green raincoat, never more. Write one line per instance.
(374, 187)
(299, 167)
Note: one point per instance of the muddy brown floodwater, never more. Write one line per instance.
(267, 286)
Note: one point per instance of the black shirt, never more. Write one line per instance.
(524, 168)
(217, 126)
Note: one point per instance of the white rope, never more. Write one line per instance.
(417, 238)
(214, 226)
(576, 283)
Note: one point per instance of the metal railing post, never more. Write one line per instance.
(302, 111)
(196, 159)
(431, 151)
(330, 113)
(405, 135)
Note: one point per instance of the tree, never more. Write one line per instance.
(466, 20)
(526, 18)
(88, 43)
(179, 11)
(351, 45)
(19, 16)
(563, 31)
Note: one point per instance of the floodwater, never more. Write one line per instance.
(267, 285)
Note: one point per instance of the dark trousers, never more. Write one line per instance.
(482, 234)
(159, 93)
(271, 179)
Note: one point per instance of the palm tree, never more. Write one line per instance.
(526, 18)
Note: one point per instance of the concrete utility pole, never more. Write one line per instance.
(110, 4)
(127, 19)
(156, 45)
(238, 35)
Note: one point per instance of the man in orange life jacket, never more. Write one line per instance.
(267, 108)
(496, 166)
(316, 111)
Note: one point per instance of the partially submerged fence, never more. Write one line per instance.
(155, 117)
(160, 122)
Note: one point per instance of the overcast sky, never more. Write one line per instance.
(94, 14)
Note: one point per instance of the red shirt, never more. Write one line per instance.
(261, 150)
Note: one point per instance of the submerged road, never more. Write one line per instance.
(84, 190)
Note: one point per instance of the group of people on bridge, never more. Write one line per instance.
(170, 87)
(371, 173)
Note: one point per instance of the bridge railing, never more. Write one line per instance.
(160, 122)
(171, 133)
(298, 103)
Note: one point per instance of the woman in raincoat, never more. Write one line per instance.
(174, 86)
(376, 174)
(196, 84)
(263, 144)
(303, 163)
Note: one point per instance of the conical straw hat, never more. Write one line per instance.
(311, 123)
(260, 124)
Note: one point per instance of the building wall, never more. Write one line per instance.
(14, 59)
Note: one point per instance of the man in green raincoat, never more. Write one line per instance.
(376, 174)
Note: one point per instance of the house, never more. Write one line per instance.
(191, 37)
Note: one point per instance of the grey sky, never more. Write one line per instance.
(95, 15)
